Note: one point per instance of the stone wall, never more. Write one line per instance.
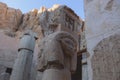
(106, 61)
(8, 50)
(102, 20)
(8, 54)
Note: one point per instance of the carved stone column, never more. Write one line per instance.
(22, 66)
(57, 57)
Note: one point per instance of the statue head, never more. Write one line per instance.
(55, 49)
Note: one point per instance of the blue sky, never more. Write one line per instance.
(27, 5)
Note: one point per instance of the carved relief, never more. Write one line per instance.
(51, 29)
(107, 54)
(69, 22)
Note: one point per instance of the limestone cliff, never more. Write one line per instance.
(10, 18)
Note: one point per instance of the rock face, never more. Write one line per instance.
(9, 18)
(9, 21)
(8, 54)
(8, 50)
(102, 20)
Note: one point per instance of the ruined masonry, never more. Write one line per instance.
(55, 55)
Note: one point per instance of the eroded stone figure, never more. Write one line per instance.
(57, 56)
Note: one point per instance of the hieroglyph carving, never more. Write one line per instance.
(69, 22)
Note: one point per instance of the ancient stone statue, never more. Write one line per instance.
(57, 57)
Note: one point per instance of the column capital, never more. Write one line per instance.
(27, 40)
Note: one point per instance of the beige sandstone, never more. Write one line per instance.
(45, 23)
(9, 18)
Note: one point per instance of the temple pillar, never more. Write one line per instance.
(22, 66)
(56, 74)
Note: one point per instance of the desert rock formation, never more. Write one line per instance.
(10, 19)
